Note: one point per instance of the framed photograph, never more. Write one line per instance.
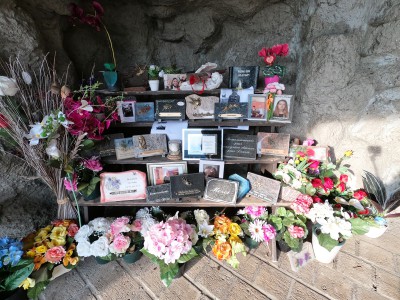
(201, 144)
(234, 96)
(160, 173)
(257, 107)
(174, 81)
(144, 111)
(273, 143)
(212, 168)
(283, 108)
(126, 111)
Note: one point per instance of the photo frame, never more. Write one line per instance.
(159, 173)
(126, 111)
(174, 81)
(282, 108)
(257, 107)
(269, 143)
(212, 168)
(202, 144)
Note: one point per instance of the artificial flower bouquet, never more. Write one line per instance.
(269, 55)
(51, 248)
(254, 222)
(154, 72)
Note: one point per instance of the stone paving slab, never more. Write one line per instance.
(364, 269)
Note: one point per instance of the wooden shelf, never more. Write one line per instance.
(186, 202)
(215, 92)
(112, 160)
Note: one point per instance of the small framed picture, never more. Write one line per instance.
(174, 81)
(212, 168)
(126, 111)
(283, 108)
(201, 144)
(257, 105)
(159, 173)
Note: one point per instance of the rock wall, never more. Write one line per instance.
(343, 65)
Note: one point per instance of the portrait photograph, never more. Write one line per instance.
(282, 108)
(126, 111)
(160, 173)
(211, 168)
(257, 104)
(174, 81)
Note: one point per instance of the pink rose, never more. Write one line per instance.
(360, 194)
(341, 187)
(72, 229)
(328, 183)
(296, 232)
(120, 225)
(93, 164)
(120, 244)
(55, 254)
(137, 225)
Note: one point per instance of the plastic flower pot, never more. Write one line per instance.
(321, 253)
(102, 261)
(271, 79)
(131, 258)
(58, 271)
(110, 78)
(249, 242)
(154, 85)
(375, 232)
(283, 247)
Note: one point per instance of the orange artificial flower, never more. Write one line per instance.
(222, 250)
(38, 261)
(222, 224)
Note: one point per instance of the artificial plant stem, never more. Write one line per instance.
(111, 44)
(76, 201)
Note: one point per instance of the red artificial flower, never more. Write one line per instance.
(3, 122)
(76, 12)
(300, 153)
(285, 50)
(344, 178)
(277, 49)
(314, 164)
(316, 199)
(310, 152)
(341, 187)
(337, 206)
(328, 183)
(360, 194)
(192, 80)
(363, 212)
(98, 8)
(262, 52)
(316, 183)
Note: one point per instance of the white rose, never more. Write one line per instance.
(201, 216)
(100, 247)
(100, 224)
(52, 149)
(8, 86)
(83, 233)
(83, 248)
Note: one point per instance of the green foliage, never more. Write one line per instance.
(360, 226)
(109, 67)
(327, 242)
(17, 274)
(172, 70)
(33, 293)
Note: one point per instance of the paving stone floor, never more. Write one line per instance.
(364, 269)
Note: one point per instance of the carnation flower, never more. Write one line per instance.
(256, 230)
(255, 211)
(302, 204)
(93, 164)
(100, 247)
(269, 232)
(296, 231)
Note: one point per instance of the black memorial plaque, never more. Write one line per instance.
(170, 109)
(240, 146)
(187, 185)
(221, 190)
(159, 193)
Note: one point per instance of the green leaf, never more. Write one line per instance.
(33, 293)
(152, 257)
(18, 276)
(109, 67)
(233, 261)
(281, 211)
(359, 226)
(87, 144)
(82, 186)
(326, 241)
(168, 272)
(188, 256)
(245, 228)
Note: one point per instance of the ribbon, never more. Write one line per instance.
(274, 70)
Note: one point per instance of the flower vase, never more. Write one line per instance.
(271, 79)
(252, 244)
(321, 253)
(95, 194)
(58, 271)
(131, 258)
(154, 85)
(110, 78)
(375, 232)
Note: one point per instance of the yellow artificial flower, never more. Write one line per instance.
(41, 249)
(235, 239)
(31, 253)
(48, 228)
(296, 161)
(28, 283)
(42, 235)
(348, 153)
(58, 232)
(234, 229)
(59, 241)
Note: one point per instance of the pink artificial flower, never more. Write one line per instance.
(314, 164)
(276, 49)
(93, 164)
(67, 183)
(136, 226)
(262, 52)
(344, 178)
(55, 254)
(317, 199)
(269, 60)
(316, 183)
(254, 211)
(360, 194)
(302, 204)
(341, 187)
(120, 243)
(296, 232)
(308, 142)
(269, 232)
(72, 229)
(284, 50)
(119, 225)
(310, 152)
(328, 183)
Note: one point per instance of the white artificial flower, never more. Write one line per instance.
(100, 247)
(356, 204)
(86, 106)
(143, 213)
(201, 216)
(319, 212)
(64, 123)
(241, 212)
(205, 230)
(100, 225)
(34, 134)
(83, 248)
(255, 228)
(161, 73)
(83, 233)
(26, 77)
(334, 226)
(8, 86)
(222, 238)
(296, 184)
(52, 149)
(152, 67)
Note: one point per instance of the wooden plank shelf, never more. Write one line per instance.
(215, 92)
(112, 160)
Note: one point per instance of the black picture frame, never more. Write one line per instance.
(196, 152)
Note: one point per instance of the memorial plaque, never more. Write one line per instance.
(240, 146)
(264, 188)
(200, 107)
(106, 146)
(158, 193)
(244, 185)
(144, 111)
(149, 145)
(124, 148)
(288, 194)
(221, 190)
(231, 110)
(129, 185)
(187, 185)
(273, 143)
(170, 109)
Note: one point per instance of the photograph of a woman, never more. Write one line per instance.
(282, 106)
(174, 84)
(281, 109)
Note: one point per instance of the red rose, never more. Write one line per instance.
(341, 187)
(72, 229)
(337, 205)
(360, 194)
(344, 178)
(328, 183)
(363, 212)
(316, 183)
(317, 199)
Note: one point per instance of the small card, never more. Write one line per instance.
(240, 146)
(300, 259)
(313, 152)
(170, 109)
(129, 185)
(187, 185)
(158, 193)
(126, 111)
(124, 148)
(264, 188)
(200, 107)
(244, 185)
(231, 110)
(288, 194)
(273, 143)
(149, 145)
(144, 111)
(221, 190)
(106, 147)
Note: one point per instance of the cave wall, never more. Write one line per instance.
(343, 65)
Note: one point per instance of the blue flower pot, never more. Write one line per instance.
(110, 78)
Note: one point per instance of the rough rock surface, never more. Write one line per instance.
(343, 65)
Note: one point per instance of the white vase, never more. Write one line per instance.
(321, 253)
(58, 271)
(375, 232)
(154, 85)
